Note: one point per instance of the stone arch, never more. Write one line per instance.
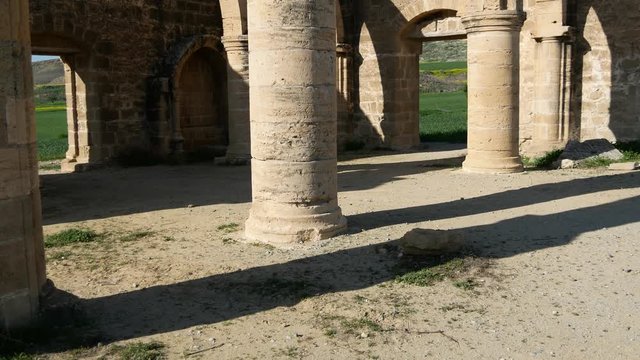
(440, 24)
(433, 25)
(344, 78)
(234, 17)
(413, 12)
(384, 114)
(199, 97)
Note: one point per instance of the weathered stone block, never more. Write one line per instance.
(580, 151)
(626, 166)
(431, 242)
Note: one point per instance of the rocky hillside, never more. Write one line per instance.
(49, 72)
(448, 50)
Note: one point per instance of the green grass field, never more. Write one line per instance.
(443, 117)
(442, 66)
(51, 130)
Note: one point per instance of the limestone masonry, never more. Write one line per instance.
(286, 84)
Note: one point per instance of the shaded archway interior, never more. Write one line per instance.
(201, 101)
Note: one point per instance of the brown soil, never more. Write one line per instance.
(551, 268)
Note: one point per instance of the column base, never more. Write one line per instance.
(75, 165)
(18, 310)
(287, 230)
(507, 165)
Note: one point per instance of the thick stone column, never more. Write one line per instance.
(493, 83)
(22, 272)
(293, 121)
(237, 47)
(549, 129)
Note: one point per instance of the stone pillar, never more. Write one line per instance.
(22, 272)
(344, 88)
(77, 156)
(292, 58)
(237, 48)
(493, 83)
(549, 130)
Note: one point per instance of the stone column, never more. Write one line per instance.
(344, 87)
(237, 47)
(22, 272)
(292, 58)
(493, 83)
(549, 128)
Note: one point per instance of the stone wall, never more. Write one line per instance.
(527, 76)
(124, 55)
(116, 47)
(607, 69)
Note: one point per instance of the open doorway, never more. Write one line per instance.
(50, 111)
(443, 91)
(66, 123)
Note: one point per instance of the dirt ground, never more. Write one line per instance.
(552, 264)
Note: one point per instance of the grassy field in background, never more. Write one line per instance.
(51, 131)
(443, 117)
(442, 65)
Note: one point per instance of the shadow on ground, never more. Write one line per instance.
(210, 300)
(499, 201)
(116, 191)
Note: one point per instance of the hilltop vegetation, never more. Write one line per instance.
(444, 51)
(48, 72)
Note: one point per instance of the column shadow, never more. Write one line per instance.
(222, 297)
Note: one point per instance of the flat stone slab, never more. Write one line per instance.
(431, 242)
(597, 148)
(626, 166)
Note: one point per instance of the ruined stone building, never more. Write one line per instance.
(168, 77)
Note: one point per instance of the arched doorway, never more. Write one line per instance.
(201, 111)
(441, 84)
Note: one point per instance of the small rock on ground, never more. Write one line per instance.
(431, 242)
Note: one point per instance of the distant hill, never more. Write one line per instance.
(49, 72)
(447, 50)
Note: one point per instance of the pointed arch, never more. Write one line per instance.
(234, 17)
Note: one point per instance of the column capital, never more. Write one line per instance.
(344, 48)
(493, 20)
(235, 43)
(559, 34)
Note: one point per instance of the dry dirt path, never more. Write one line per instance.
(554, 271)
